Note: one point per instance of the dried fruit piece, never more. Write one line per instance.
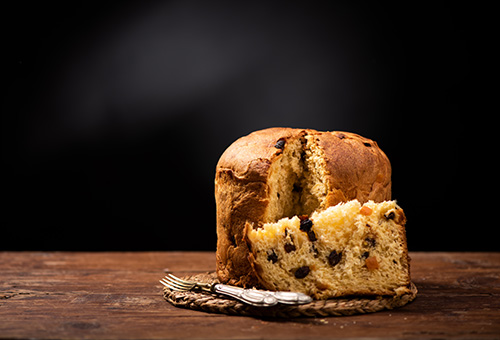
(305, 224)
(371, 263)
(272, 257)
(365, 211)
(280, 144)
(312, 236)
(289, 247)
(302, 272)
(334, 258)
(390, 215)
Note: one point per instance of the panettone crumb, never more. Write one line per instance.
(352, 252)
(297, 180)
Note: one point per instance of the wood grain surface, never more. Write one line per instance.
(111, 295)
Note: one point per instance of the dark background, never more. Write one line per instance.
(115, 114)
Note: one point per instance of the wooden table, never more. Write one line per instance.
(117, 295)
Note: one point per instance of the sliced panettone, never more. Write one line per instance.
(347, 249)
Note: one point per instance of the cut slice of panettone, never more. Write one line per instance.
(347, 249)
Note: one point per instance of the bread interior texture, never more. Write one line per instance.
(348, 249)
(297, 180)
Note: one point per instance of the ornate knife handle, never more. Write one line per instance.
(262, 298)
(292, 298)
(252, 297)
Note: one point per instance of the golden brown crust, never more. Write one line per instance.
(250, 157)
(356, 167)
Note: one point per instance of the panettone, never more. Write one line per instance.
(285, 172)
(347, 249)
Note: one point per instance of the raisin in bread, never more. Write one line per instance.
(347, 249)
(283, 172)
